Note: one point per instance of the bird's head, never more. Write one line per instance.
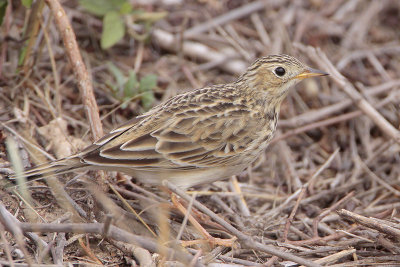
(275, 74)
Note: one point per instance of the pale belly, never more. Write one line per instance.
(186, 178)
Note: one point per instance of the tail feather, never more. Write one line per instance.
(61, 166)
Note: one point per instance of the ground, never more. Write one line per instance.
(326, 191)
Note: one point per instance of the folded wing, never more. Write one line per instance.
(195, 136)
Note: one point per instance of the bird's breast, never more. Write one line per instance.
(263, 133)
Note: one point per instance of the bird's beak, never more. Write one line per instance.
(310, 72)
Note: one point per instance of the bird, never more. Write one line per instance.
(196, 137)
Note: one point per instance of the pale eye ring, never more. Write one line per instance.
(280, 71)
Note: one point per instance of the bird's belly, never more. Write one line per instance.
(186, 178)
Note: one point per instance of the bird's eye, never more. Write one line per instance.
(280, 71)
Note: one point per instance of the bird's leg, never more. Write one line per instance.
(213, 241)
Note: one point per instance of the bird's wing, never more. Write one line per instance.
(191, 134)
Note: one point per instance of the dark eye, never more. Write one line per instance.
(280, 71)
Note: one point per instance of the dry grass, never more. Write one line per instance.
(326, 192)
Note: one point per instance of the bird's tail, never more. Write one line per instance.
(61, 166)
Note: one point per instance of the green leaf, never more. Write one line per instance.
(97, 7)
(3, 7)
(22, 56)
(131, 85)
(125, 8)
(151, 16)
(137, 12)
(148, 99)
(124, 105)
(113, 87)
(118, 75)
(117, 4)
(148, 82)
(26, 3)
(113, 29)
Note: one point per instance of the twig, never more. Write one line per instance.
(239, 199)
(327, 211)
(235, 217)
(14, 264)
(6, 245)
(137, 196)
(102, 198)
(378, 66)
(314, 115)
(107, 224)
(318, 124)
(370, 223)
(356, 236)
(271, 261)
(84, 80)
(247, 240)
(293, 179)
(187, 211)
(360, 54)
(258, 24)
(226, 17)
(32, 30)
(142, 255)
(195, 258)
(98, 228)
(88, 250)
(320, 58)
(309, 182)
(330, 121)
(291, 216)
(378, 179)
(358, 30)
(335, 257)
(394, 248)
(226, 57)
(5, 31)
(319, 240)
(58, 252)
(11, 224)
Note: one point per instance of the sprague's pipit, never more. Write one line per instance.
(199, 136)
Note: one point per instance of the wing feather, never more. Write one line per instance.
(193, 136)
(140, 143)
